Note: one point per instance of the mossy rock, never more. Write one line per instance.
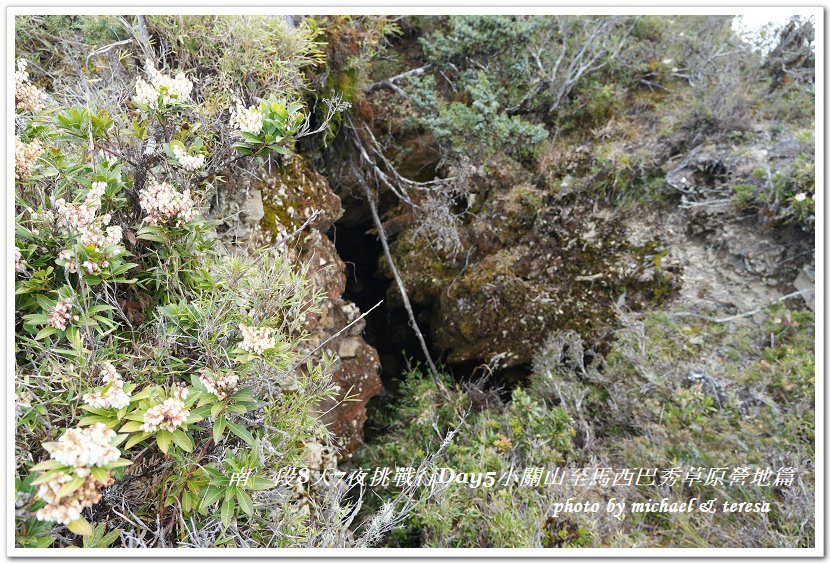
(291, 193)
(536, 264)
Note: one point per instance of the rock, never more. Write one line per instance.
(252, 209)
(806, 283)
(313, 455)
(349, 346)
(532, 264)
(279, 200)
(357, 372)
(785, 149)
(358, 380)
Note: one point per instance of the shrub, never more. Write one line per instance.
(524, 432)
(786, 196)
(479, 128)
(149, 366)
(652, 401)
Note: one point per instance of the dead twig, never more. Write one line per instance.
(389, 83)
(401, 288)
(741, 315)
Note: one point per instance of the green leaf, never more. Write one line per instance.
(92, 419)
(40, 542)
(44, 477)
(219, 428)
(110, 538)
(45, 303)
(66, 352)
(211, 496)
(118, 463)
(163, 439)
(257, 483)
(150, 232)
(131, 426)
(181, 439)
(210, 471)
(119, 438)
(151, 237)
(96, 410)
(48, 464)
(242, 432)
(237, 408)
(71, 486)
(101, 475)
(99, 308)
(36, 319)
(104, 320)
(245, 502)
(278, 149)
(226, 513)
(216, 408)
(243, 149)
(74, 338)
(143, 394)
(135, 439)
(80, 527)
(45, 331)
(198, 414)
(250, 137)
(244, 394)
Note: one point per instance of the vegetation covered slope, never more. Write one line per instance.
(615, 208)
(615, 204)
(162, 381)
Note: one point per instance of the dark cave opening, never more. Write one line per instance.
(387, 327)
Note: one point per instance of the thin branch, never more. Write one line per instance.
(142, 37)
(107, 48)
(741, 315)
(401, 288)
(389, 83)
(333, 336)
(392, 513)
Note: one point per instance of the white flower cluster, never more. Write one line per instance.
(257, 340)
(80, 449)
(188, 162)
(83, 221)
(168, 415)
(171, 90)
(27, 96)
(25, 156)
(66, 508)
(61, 314)
(246, 120)
(114, 396)
(220, 386)
(78, 217)
(164, 204)
(801, 196)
